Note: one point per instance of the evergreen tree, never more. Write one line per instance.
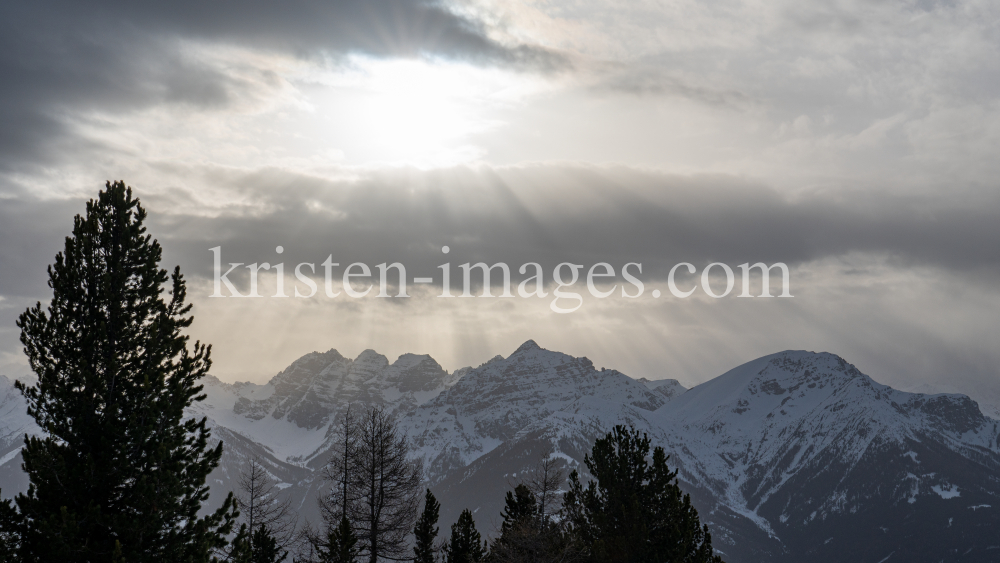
(239, 549)
(520, 510)
(265, 547)
(10, 534)
(120, 474)
(634, 511)
(425, 531)
(465, 545)
(521, 538)
(529, 536)
(257, 547)
(341, 544)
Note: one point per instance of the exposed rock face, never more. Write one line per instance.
(312, 391)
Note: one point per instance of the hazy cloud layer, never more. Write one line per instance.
(902, 284)
(571, 213)
(541, 213)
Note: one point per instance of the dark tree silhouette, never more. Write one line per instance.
(259, 547)
(526, 534)
(634, 511)
(465, 544)
(544, 483)
(120, 473)
(341, 470)
(388, 485)
(260, 505)
(375, 485)
(425, 531)
(341, 544)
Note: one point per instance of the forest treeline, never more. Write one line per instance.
(119, 474)
(630, 510)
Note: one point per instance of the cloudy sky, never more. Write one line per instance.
(854, 141)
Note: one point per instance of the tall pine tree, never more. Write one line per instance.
(526, 534)
(521, 537)
(265, 548)
(120, 473)
(10, 533)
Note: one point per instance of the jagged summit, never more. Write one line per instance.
(409, 360)
(371, 356)
(505, 396)
(797, 438)
(314, 390)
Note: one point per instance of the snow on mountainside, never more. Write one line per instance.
(669, 388)
(828, 462)
(492, 403)
(793, 456)
(291, 414)
(988, 401)
(752, 429)
(14, 424)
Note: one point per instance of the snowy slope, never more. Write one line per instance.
(669, 388)
(752, 429)
(491, 404)
(804, 445)
(291, 415)
(14, 424)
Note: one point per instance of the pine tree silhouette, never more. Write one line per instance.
(465, 545)
(425, 531)
(120, 474)
(634, 511)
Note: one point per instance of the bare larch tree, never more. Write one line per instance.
(388, 485)
(544, 482)
(375, 483)
(260, 504)
(341, 471)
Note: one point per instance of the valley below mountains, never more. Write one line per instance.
(796, 456)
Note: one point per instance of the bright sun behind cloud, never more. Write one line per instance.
(416, 112)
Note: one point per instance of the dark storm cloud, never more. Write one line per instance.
(550, 214)
(61, 58)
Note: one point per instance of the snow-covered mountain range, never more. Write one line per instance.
(790, 457)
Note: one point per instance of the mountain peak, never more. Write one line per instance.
(370, 356)
(527, 346)
(406, 361)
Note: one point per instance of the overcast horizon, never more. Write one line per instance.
(855, 142)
